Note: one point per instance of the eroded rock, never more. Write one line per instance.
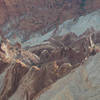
(30, 72)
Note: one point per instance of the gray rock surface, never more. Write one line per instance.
(81, 84)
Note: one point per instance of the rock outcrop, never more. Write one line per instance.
(26, 73)
(81, 84)
(38, 57)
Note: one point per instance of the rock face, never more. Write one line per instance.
(71, 26)
(81, 84)
(29, 67)
(22, 20)
(26, 73)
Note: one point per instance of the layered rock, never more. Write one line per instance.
(22, 20)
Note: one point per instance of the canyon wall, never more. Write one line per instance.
(25, 19)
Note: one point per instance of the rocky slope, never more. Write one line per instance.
(82, 83)
(82, 24)
(23, 20)
(44, 44)
(25, 74)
